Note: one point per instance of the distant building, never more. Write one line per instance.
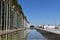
(49, 26)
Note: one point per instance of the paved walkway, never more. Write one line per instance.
(9, 31)
(56, 31)
(34, 35)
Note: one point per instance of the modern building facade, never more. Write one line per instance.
(12, 21)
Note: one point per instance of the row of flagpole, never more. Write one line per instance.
(1, 15)
(6, 16)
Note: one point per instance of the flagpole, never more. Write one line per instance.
(6, 16)
(1, 15)
(9, 14)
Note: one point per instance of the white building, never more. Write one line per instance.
(46, 26)
(49, 26)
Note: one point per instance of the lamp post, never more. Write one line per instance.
(55, 21)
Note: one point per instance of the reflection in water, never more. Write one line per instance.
(18, 35)
(34, 35)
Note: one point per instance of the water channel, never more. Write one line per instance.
(34, 35)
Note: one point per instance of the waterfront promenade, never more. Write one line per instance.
(50, 34)
(10, 31)
(56, 31)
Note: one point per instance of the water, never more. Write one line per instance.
(34, 35)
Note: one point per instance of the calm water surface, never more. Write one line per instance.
(34, 35)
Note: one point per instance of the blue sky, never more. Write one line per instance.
(41, 11)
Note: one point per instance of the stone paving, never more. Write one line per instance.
(9, 31)
(57, 31)
(49, 35)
